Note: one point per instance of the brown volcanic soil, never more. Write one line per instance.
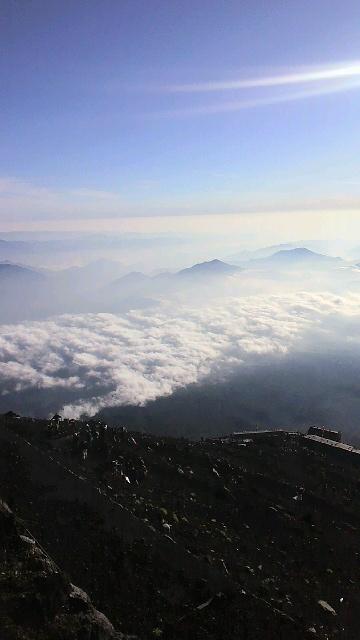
(194, 540)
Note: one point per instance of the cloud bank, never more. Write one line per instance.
(103, 360)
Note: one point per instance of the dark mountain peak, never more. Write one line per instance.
(11, 270)
(93, 266)
(133, 277)
(103, 263)
(299, 255)
(211, 267)
(262, 252)
(297, 252)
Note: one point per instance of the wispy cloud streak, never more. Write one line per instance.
(238, 105)
(337, 72)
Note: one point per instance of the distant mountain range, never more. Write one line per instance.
(102, 286)
(12, 274)
(133, 278)
(7, 246)
(264, 252)
(300, 257)
(32, 293)
(314, 248)
(82, 244)
(210, 269)
(89, 276)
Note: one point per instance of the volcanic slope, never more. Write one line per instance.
(37, 600)
(252, 538)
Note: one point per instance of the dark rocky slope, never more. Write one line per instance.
(37, 600)
(254, 539)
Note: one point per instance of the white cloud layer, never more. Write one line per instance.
(108, 360)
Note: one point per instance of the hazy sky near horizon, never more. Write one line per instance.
(149, 115)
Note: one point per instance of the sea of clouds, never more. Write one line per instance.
(105, 360)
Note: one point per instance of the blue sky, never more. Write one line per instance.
(113, 111)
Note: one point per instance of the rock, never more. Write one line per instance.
(327, 607)
(39, 601)
(27, 540)
(80, 601)
(249, 569)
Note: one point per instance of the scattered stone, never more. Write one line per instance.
(325, 605)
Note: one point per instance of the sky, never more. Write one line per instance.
(151, 115)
